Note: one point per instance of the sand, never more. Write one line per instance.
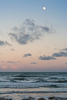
(36, 96)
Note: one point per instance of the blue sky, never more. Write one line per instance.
(33, 39)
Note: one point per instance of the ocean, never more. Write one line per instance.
(18, 85)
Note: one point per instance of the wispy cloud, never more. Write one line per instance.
(46, 58)
(60, 54)
(55, 55)
(2, 43)
(28, 32)
(12, 61)
(26, 55)
(65, 49)
(2, 61)
(33, 63)
(12, 49)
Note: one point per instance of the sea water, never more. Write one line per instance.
(18, 85)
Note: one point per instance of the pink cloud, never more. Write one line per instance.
(4, 67)
(14, 67)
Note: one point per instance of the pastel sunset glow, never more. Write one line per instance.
(32, 39)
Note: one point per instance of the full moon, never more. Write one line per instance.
(44, 8)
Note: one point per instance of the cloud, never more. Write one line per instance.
(2, 61)
(28, 32)
(12, 49)
(65, 49)
(46, 58)
(4, 43)
(4, 67)
(15, 28)
(12, 61)
(55, 55)
(60, 54)
(33, 63)
(26, 55)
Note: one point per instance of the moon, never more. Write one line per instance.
(44, 8)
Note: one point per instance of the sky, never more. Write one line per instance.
(32, 38)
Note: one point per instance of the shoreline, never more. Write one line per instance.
(31, 98)
(18, 96)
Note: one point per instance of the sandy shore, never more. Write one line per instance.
(31, 98)
(39, 96)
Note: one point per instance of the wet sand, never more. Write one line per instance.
(18, 96)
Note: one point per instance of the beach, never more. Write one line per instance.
(35, 96)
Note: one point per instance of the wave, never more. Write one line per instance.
(53, 86)
(61, 81)
(56, 81)
(40, 80)
(17, 79)
(33, 80)
(28, 76)
(12, 92)
(26, 85)
(53, 77)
